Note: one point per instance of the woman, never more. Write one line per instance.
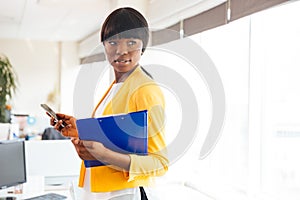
(124, 35)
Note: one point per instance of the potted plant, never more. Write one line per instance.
(8, 84)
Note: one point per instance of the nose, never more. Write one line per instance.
(122, 48)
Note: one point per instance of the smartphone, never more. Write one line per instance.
(52, 113)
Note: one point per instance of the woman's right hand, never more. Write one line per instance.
(69, 128)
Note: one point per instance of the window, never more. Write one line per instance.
(257, 58)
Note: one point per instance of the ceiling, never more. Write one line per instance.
(74, 20)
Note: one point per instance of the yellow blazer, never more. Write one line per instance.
(138, 92)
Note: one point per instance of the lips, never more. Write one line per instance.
(122, 61)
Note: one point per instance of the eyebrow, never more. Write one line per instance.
(122, 38)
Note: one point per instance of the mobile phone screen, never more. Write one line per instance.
(51, 112)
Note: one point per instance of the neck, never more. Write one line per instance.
(121, 77)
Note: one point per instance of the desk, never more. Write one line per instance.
(39, 185)
(48, 164)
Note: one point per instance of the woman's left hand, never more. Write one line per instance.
(89, 150)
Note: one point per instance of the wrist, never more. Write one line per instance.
(105, 155)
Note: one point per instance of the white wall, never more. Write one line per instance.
(39, 66)
(36, 64)
(69, 70)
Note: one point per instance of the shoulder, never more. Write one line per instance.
(142, 90)
(148, 94)
(145, 84)
(139, 80)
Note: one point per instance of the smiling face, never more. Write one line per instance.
(123, 54)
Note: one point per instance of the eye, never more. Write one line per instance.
(131, 43)
(112, 43)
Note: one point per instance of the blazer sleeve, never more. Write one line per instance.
(150, 97)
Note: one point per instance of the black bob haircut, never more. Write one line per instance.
(125, 23)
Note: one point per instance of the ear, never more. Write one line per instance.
(143, 49)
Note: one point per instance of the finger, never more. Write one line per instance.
(77, 147)
(75, 141)
(60, 125)
(85, 155)
(60, 122)
(56, 125)
(52, 121)
(61, 129)
(82, 151)
(48, 114)
(63, 116)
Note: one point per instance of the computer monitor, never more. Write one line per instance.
(12, 163)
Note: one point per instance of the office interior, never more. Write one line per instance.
(254, 47)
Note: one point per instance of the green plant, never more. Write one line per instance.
(8, 84)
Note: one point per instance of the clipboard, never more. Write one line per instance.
(123, 133)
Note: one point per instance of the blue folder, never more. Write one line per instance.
(123, 133)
